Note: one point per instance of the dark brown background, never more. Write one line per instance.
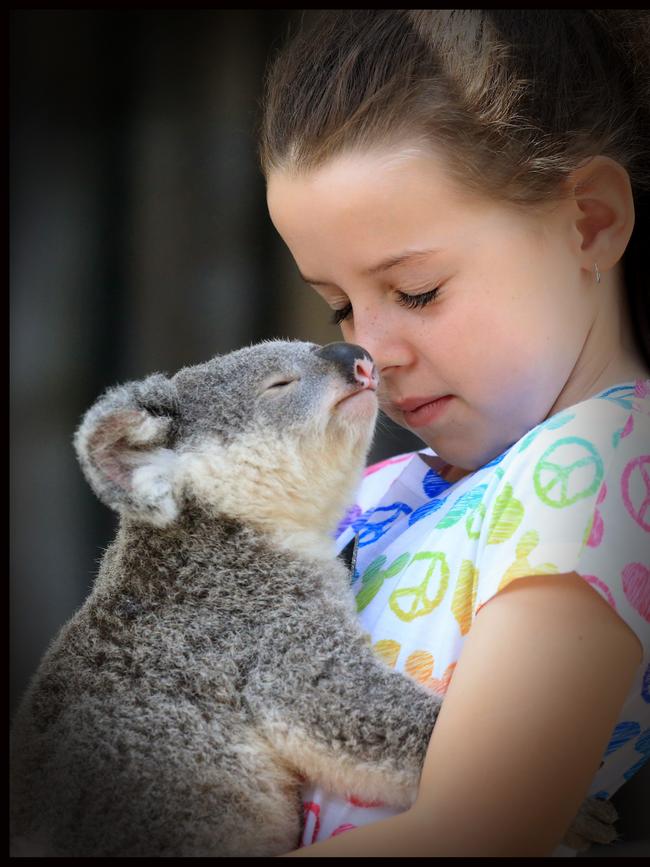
(140, 241)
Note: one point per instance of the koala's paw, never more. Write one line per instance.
(593, 824)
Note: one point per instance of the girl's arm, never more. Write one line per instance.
(528, 715)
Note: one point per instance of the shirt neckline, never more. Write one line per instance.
(437, 464)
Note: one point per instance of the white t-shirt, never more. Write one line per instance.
(573, 494)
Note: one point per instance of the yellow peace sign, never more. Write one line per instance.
(415, 600)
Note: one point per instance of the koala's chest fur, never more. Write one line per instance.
(185, 611)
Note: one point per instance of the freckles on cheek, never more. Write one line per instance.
(366, 329)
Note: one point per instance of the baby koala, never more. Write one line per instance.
(218, 660)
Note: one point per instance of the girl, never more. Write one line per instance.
(468, 190)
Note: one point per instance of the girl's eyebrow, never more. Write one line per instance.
(384, 265)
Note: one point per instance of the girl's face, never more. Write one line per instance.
(453, 296)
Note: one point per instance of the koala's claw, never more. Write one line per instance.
(593, 824)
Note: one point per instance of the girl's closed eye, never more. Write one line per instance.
(406, 300)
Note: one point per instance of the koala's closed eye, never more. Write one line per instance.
(153, 409)
(281, 383)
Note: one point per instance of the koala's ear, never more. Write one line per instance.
(124, 447)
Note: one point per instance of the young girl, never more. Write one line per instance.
(468, 190)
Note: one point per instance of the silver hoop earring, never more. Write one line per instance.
(597, 273)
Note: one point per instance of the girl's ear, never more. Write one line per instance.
(124, 446)
(603, 194)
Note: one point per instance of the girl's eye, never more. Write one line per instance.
(339, 315)
(414, 301)
(410, 301)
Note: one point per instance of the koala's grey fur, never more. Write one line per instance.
(218, 660)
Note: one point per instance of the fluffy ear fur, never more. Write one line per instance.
(124, 447)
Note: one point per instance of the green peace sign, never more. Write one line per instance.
(416, 601)
(575, 472)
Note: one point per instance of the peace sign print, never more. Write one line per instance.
(350, 517)
(620, 394)
(469, 500)
(636, 586)
(635, 488)
(623, 733)
(374, 576)
(641, 746)
(311, 822)
(371, 527)
(419, 666)
(569, 470)
(426, 509)
(433, 484)
(411, 602)
(553, 423)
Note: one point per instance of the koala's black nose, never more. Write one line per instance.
(346, 357)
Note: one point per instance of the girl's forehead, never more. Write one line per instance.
(373, 186)
(371, 202)
(362, 166)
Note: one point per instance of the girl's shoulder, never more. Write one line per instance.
(614, 420)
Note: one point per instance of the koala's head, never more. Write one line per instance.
(275, 434)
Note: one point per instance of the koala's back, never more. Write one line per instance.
(138, 704)
(159, 778)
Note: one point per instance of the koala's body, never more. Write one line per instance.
(218, 660)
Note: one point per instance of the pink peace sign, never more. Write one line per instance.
(635, 490)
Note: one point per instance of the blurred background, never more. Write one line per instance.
(139, 242)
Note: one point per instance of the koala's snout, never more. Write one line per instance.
(353, 362)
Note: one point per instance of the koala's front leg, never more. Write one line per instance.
(341, 716)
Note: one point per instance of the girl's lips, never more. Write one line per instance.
(411, 403)
(419, 412)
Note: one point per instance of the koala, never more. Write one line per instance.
(218, 661)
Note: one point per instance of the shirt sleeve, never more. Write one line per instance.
(574, 495)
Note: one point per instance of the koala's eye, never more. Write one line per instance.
(280, 383)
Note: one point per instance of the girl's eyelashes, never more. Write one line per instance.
(410, 301)
(413, 301)
(339, 315)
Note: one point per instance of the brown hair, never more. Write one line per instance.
(515, 99)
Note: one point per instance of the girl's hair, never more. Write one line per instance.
(515, 100)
